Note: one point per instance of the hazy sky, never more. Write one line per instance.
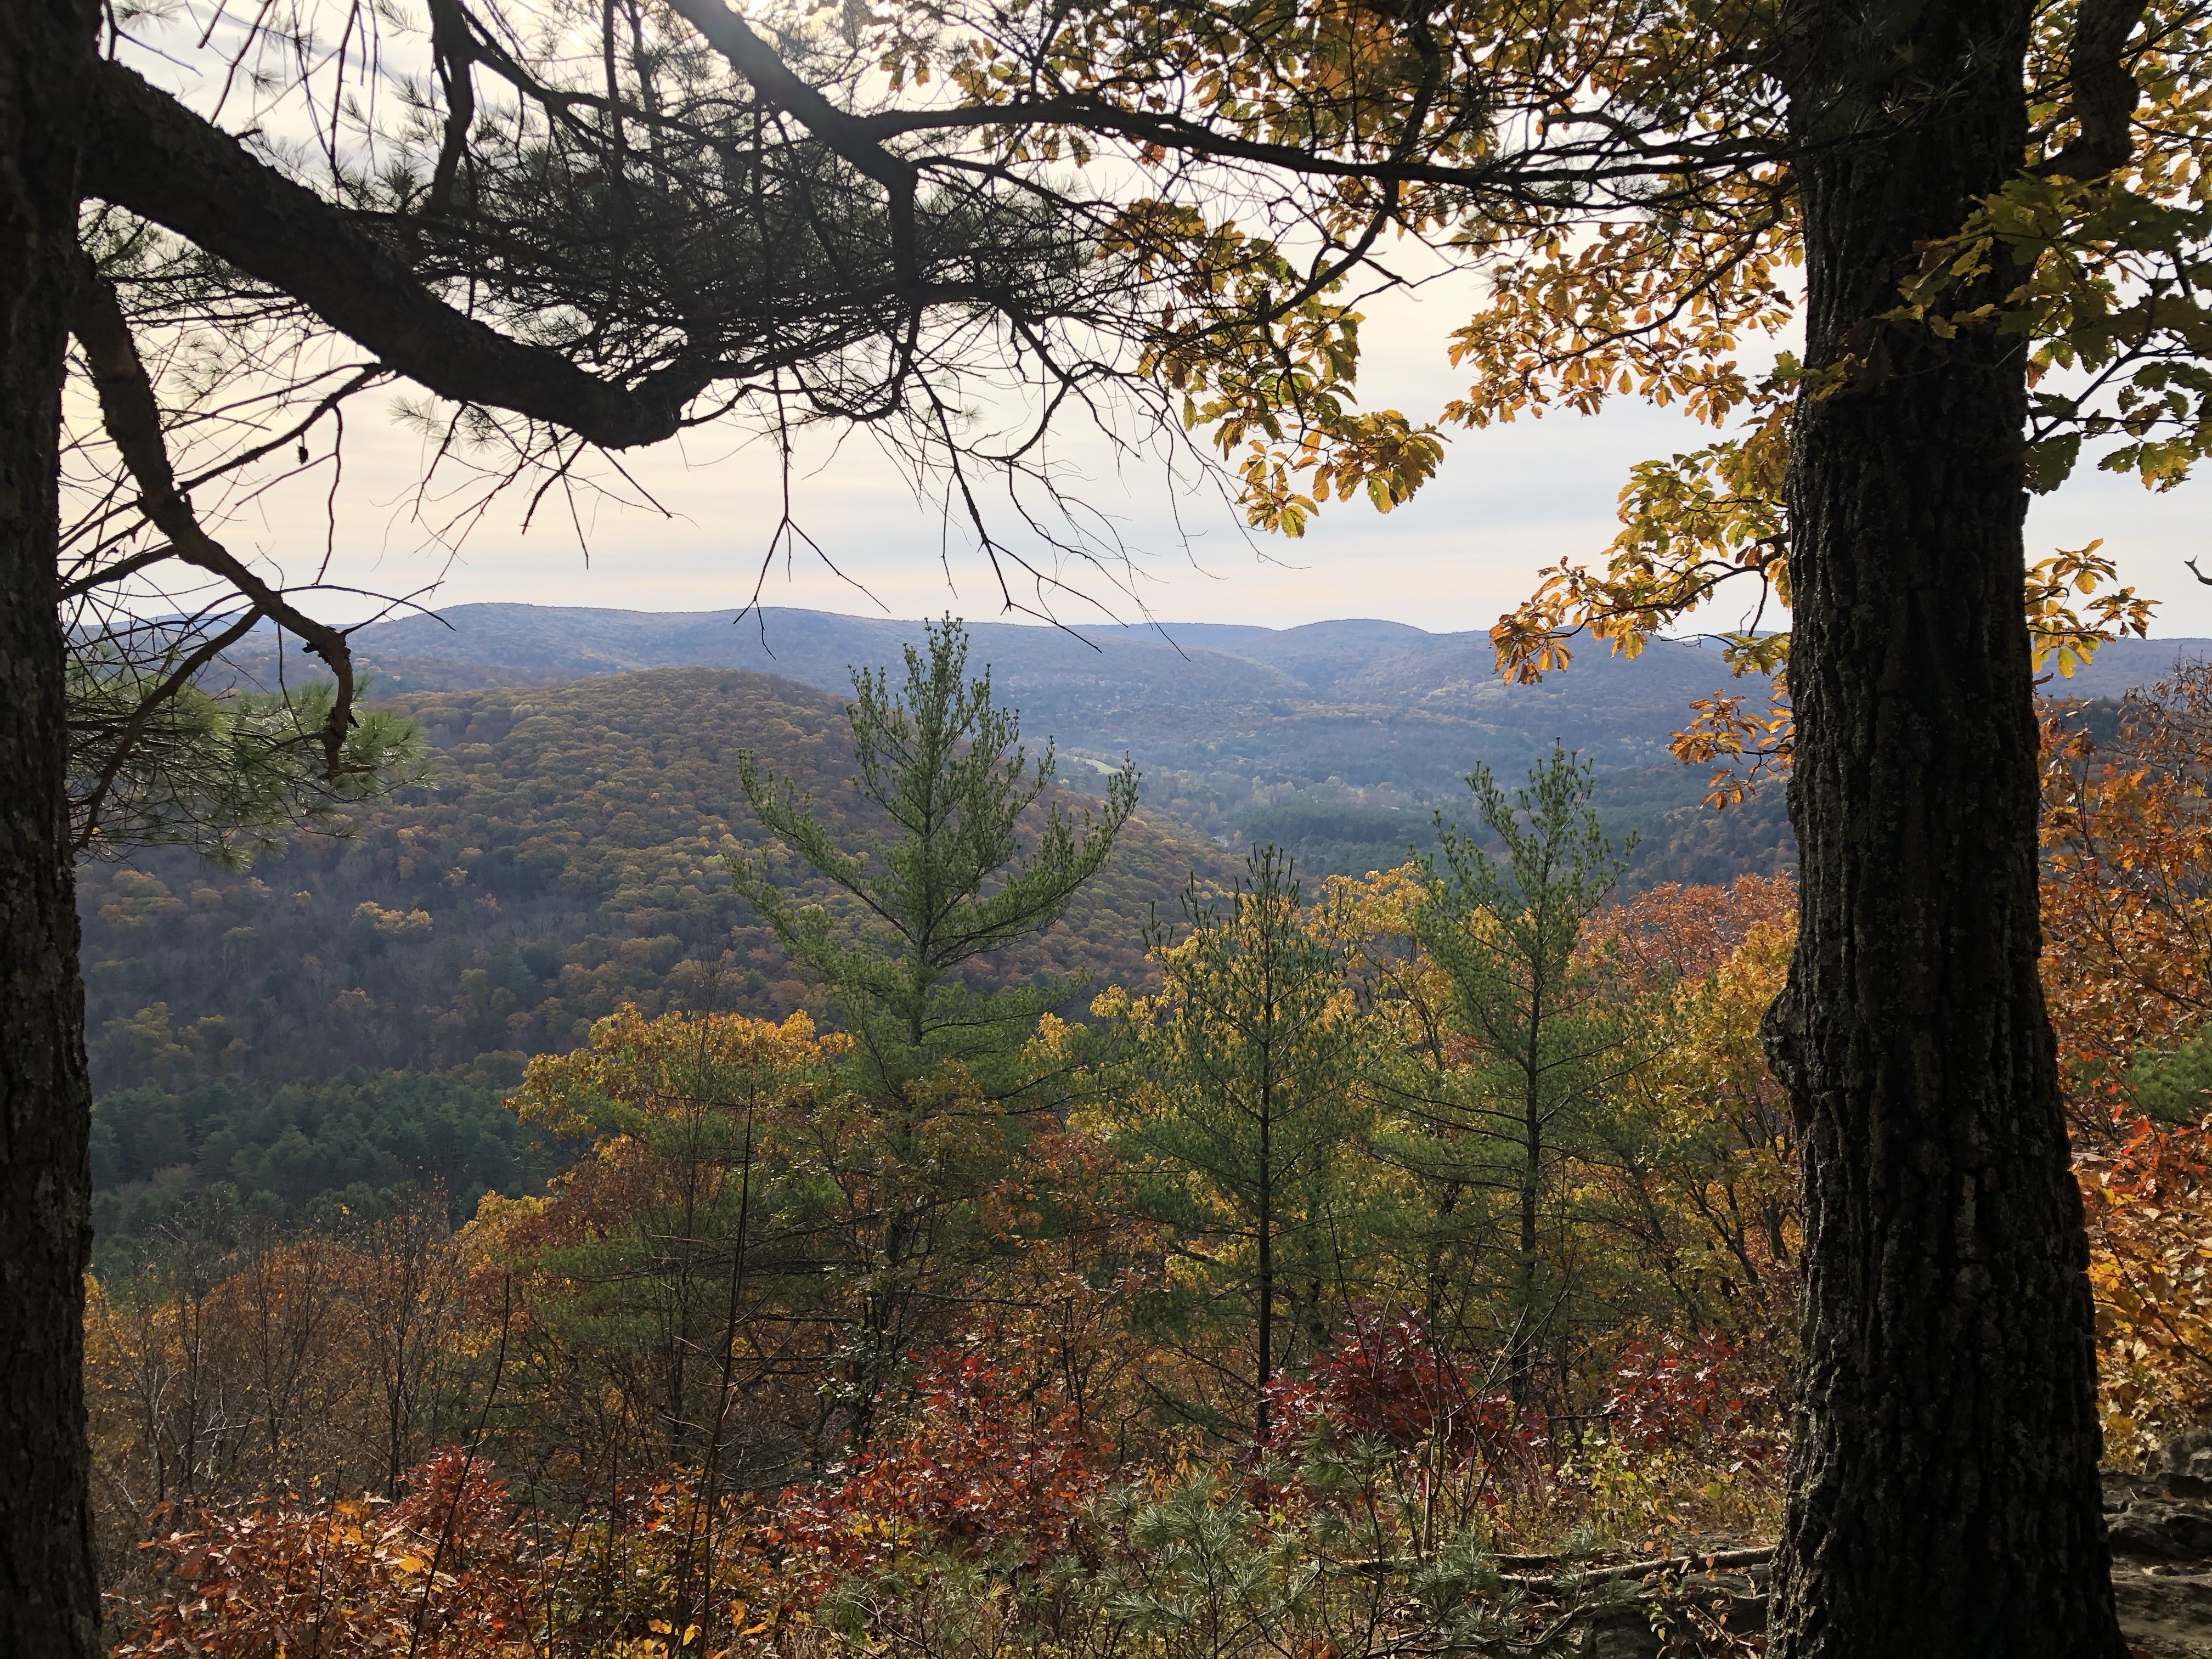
(1509, 501)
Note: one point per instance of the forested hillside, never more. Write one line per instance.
(1240, 731)
(1484, 1177)
(302, 1153)
(559, 855)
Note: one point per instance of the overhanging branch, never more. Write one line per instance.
(133, 420)
(148, 153)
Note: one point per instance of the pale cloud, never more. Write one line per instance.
(1509, 501)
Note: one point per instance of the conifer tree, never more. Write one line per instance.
(949, 883)
(1250, 1107)
(938, 1064)
(1546, 1045)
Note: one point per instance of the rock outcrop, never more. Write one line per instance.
(2160, 1526)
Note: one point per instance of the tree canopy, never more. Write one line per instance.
(593, 228)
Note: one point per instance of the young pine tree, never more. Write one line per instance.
(1544, 1045)
(951, 882)
(974, 856)
(1247, 1109)
(677, 1268)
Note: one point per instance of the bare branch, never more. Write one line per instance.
(134, 422)
(148, 153)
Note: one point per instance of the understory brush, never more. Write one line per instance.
(1395, 1511)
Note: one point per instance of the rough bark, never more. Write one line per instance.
(1942, 1492)
(49, 1607)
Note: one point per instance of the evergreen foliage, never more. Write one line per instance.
(1330, 838)
(157, 759)
(975, 856)
(1544, 1046)
(2175, 1088)
(1244, 1114)
(950, 882)
(357, 1137)
(712, 1195)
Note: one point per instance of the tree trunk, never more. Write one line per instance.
(1520, 1367)
(1942, 1493)
(49, 1605)
(1266, 1334)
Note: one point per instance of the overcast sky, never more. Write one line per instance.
(1508, 503)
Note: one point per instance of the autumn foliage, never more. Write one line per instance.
(448, 1570)
(1382, 1379)
(668, 1340)
(1705, 1395)
(1369, 1231)
(681, 1340)
(2127, 972)
(982, 1464)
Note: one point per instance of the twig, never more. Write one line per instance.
(1713, 1561)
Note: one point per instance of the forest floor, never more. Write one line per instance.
(2165, 1607)
(2166, 1613)
(2161, 1533)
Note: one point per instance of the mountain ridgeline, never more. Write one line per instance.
(342, 1017)
(1340, 740)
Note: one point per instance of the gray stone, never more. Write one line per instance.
(1622, 1632)
(2188, 1453)
(2171, 1529)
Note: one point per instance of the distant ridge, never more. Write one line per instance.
(1386, 660)
(1108, 688)
(1092, 686)
(2121, 666)
(1233, 725)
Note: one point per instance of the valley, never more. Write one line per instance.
(560, 854)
